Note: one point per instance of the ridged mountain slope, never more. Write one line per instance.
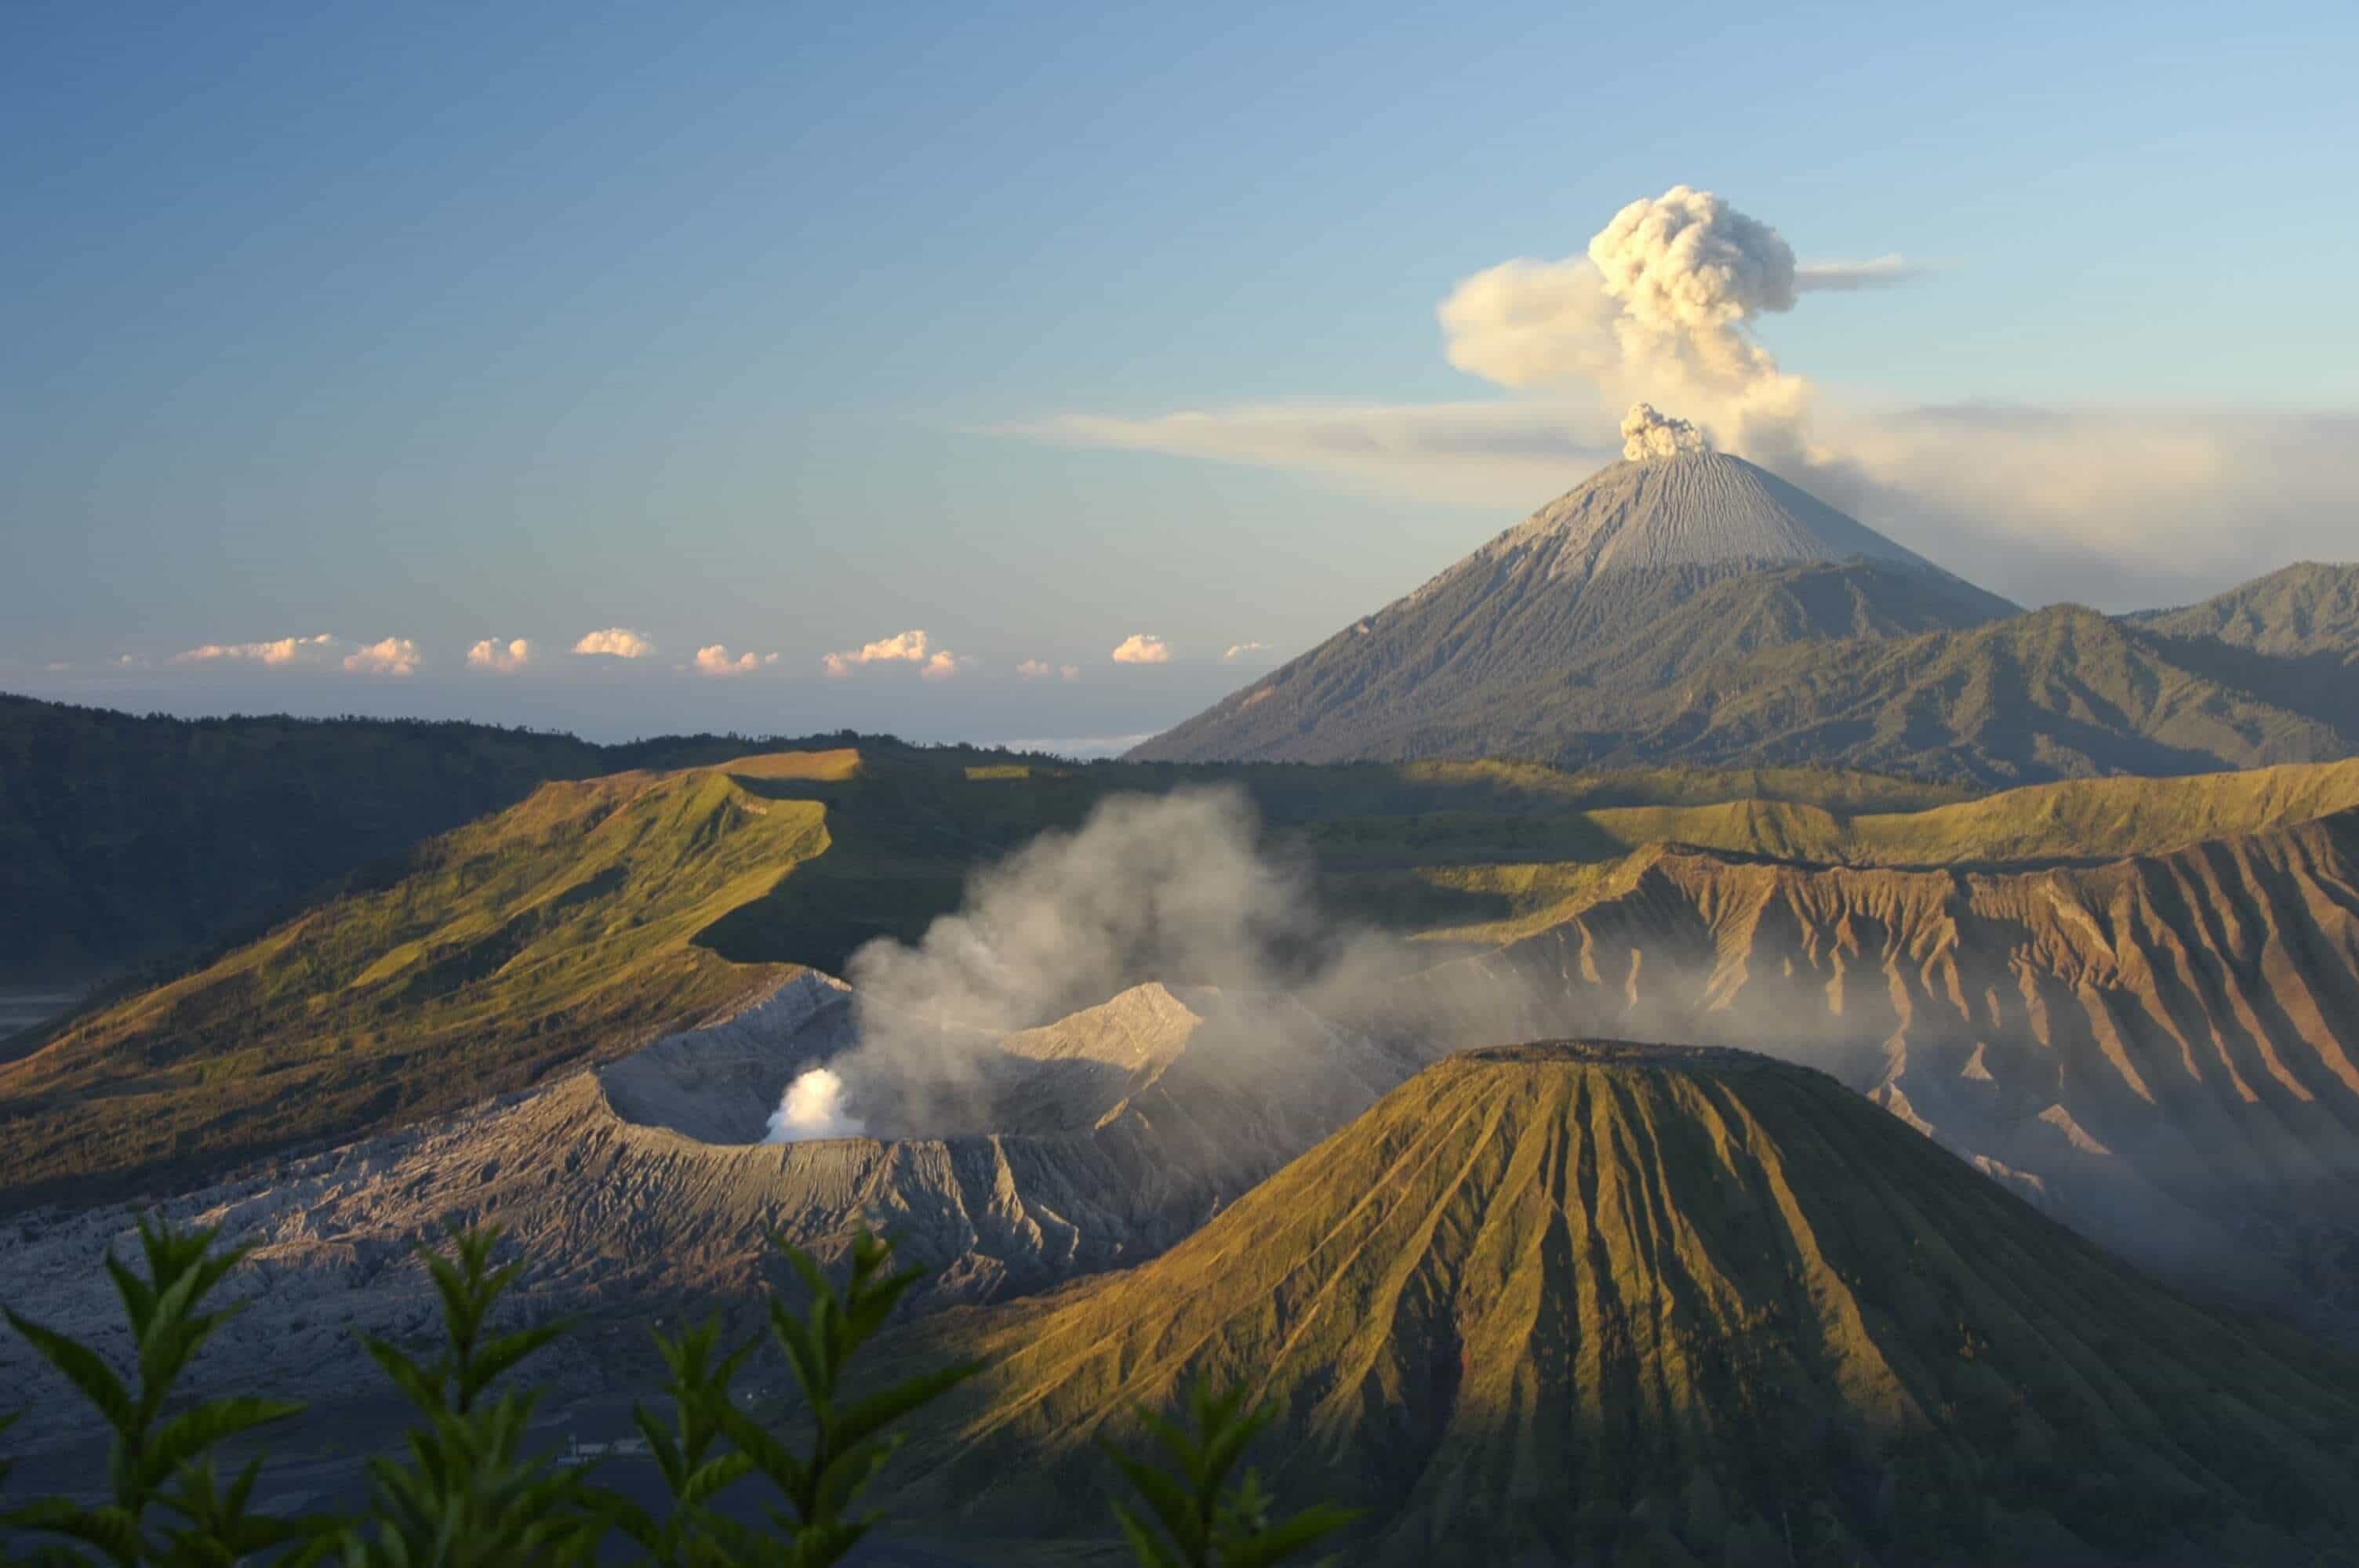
(1566, 1303)
(1695, 610)
(1628, 579)
(2163, 1049)
(2306, 609)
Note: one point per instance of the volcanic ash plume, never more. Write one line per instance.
(812, 1108)
(1660, 306)
(1649, 437)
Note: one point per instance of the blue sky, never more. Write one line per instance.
(444, 323)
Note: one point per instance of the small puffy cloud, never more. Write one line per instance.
(279, 651)
(615, 642)
(124, 661)
(1239, 650)
(714, 660)
(1031, 669)
(506, 658)
(911, 647)
(1070, 672)
(392, 656)
(1142, 648)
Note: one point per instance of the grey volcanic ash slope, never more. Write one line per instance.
(1607, 1304)
(645, 1187)
(1588, 589)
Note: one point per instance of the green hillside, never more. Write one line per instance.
(1621, 1304)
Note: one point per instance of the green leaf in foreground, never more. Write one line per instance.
(1193, 1518)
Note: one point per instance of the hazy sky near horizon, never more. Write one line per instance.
(783, 330)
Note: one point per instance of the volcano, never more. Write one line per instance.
(1600, 1302)
(1606, 597)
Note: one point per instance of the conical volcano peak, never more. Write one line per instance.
(1651, 437)
(1683, 505)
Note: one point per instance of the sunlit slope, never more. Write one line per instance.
(563, 928)
(1569, 1303)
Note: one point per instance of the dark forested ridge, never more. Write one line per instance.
(126, 838)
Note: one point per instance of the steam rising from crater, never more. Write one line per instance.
(812, 1108)
(1181, 889)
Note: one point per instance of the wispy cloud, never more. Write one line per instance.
(391, 656)
(1848, 276)
(505, 658)
(1483, 454)
(1142, 648)
(614, 643)
(1032, 669)
(1239, 650)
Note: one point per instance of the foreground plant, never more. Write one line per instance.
(468, 1494)
(168, 1503)
(849, 1440)
(690, 1454)
(1194, 1519)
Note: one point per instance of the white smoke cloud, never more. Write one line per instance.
(1179, 889)
(392, 656)
(811, 1109)
(716, 660)
(1141, 648)
(1649, 437)
(505, 658)
(1660, 308)
(614, 643)
(279, 651)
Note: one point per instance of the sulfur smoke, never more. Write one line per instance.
(1181, 889)
(1649, 437)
